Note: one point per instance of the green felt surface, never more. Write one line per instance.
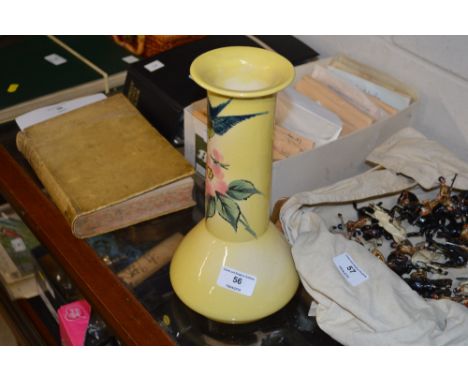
(101, 50)
(22, 62)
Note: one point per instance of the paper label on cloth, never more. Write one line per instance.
(236, 281)
(154, 65)
(349, 269)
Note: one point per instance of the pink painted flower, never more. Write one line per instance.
(215, 174)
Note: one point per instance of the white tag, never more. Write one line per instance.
(55, 59)
(130, 59)
(18, 244)
(236, 281)
(44, 113)
(349, 269)
(153, 66)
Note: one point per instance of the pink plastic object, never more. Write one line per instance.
(73, 322)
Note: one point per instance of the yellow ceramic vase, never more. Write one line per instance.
(235, 266)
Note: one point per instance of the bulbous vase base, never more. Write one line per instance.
(234, 282)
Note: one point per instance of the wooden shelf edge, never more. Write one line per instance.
(129, 320)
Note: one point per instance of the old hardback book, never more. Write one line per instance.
(106, 167)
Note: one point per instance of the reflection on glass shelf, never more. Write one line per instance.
(122, 249)
(289, 326)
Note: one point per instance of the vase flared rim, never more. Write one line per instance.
(242, 72)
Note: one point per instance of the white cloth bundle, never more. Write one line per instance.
(368, 304)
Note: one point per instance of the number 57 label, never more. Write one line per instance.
(349, 269)
(236, 281)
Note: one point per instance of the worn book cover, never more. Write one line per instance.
(106, 167)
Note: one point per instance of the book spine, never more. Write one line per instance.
(61, 200)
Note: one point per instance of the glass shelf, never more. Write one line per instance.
(150, 313)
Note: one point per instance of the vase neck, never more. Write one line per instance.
(238, 169)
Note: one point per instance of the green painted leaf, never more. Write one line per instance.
(210, 206)
(228, 209)
(245, 223)
(241, 189)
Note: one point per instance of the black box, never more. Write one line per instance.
(160, 86)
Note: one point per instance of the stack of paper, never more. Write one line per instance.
(357, 95)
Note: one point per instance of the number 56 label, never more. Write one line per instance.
(236, 281)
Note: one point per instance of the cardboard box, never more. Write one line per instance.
(320, 166)
(160, 86)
